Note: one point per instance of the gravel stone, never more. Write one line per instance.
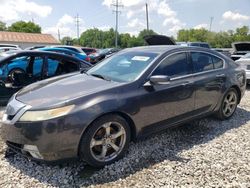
(204, 153)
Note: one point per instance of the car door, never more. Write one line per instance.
(209, 80)
(55, 66)
(172, 101)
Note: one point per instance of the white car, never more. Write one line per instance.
(245, 63)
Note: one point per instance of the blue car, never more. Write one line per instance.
(25, 67)
(81, 56)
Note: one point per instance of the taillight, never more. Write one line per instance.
(87, 58)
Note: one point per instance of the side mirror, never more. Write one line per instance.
(159, 79)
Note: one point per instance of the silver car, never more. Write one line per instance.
(245, 63)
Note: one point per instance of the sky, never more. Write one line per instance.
(165, 16)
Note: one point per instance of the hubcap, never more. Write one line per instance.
(230, 104)
(108, 141)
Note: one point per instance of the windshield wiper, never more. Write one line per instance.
(101, 76)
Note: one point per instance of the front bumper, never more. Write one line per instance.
(50, 140)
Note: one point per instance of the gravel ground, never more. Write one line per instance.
(206, 153)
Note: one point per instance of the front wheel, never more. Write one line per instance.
(105, 141)
(228, 105)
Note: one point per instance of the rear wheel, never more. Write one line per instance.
(105, 141)
(11, 75)
(228, 105)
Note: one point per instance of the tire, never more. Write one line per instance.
(228, 103)
(11, 74)
(101, 145)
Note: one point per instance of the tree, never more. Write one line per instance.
(66, 40)
(3, 26)
(26, 27)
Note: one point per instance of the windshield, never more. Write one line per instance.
(123, 67)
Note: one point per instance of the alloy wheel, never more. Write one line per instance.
(108, 142)
(229, 104)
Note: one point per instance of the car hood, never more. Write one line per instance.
(159, 40)
(60, 90)
(241, 46)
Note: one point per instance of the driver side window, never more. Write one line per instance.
(174, 66)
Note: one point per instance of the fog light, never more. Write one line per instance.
(33, 151)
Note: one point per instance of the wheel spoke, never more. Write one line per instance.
(104, 151)
(118, 134)
(232, 103)
(115, 147)
(95, 142)
(107, 128)
(231, 96)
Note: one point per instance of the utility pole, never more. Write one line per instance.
(147, 17)
(211, 23)
(59, 35)
(117, 5)
(78, 27)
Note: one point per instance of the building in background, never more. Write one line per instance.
(25, 40)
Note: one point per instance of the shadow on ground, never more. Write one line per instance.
(143, 154)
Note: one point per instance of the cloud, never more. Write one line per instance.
(135, 23)
(200, 26)
(165, 10)
(11, 10)
(66, 26)
(235, 16)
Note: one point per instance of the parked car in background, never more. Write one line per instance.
(6, 49)
(244, 62)
(89, 51)
(10, 45)
(159, 40)
(102, 54)
(72, 48)
(198, 44)
(35, 47)
(94, 115)
(226, 52)
(240, 49)
(81, 55)
(25, 67)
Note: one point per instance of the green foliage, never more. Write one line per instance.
(3, 26)
(26, 27)
(215, 39)
(66, 40)
(105, 39)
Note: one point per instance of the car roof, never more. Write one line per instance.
(37, 52)
(58, 49)
(164, 48)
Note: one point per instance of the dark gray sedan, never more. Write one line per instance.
(94, 115)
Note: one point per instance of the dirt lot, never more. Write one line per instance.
(206, 153)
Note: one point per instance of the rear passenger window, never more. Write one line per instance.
(205, 62)
(218, 63)
(174, 66)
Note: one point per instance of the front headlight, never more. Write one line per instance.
(46, 114)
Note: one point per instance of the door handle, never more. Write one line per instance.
(188, 83)
(220, 76)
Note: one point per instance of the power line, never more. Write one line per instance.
(117, 5)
